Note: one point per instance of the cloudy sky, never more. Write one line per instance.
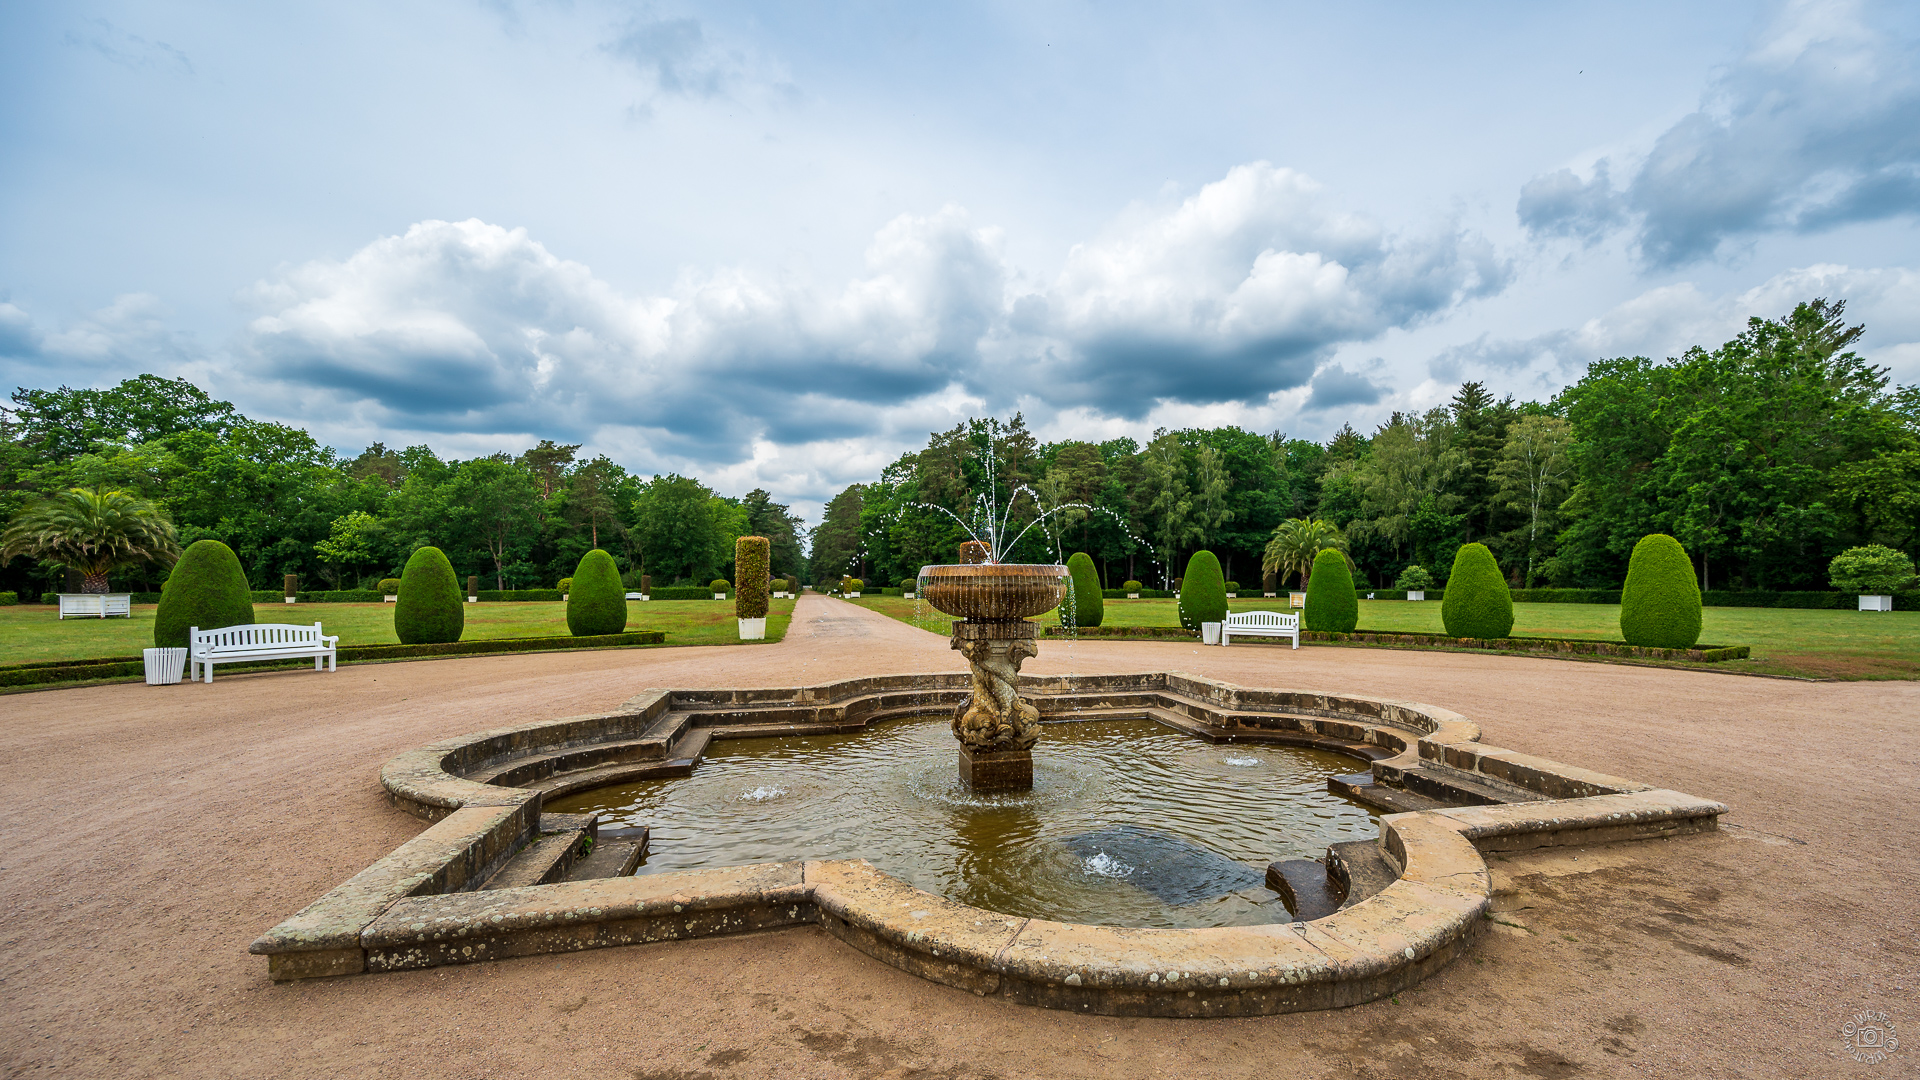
(774, 245)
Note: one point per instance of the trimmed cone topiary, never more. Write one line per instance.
(430, 610)
(207, 589)
(1085, 605)
(1478, 603)
(1660, 603)
(1332, 606)
(751, 554)
(1203, 591)
(596, 602)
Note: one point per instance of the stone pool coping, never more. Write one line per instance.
(423, 906)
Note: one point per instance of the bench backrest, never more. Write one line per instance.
(256, 636)
(1272, 619)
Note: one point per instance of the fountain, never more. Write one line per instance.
(995, 725)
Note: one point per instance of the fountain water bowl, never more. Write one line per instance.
(995, 725)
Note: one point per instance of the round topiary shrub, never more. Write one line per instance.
(1660, 603)
(596, 602)
(1085, 606)
(1203, 591)
(566, 585)
(855, 584)
(207, 589)
(1478, 603)
(751, 554)
(1414, 579)
(1332, 606)
(908, 584)
(390, 586)
(430, 609)
(1233, 586)
(1872, 570)
(1129, 586)
(720, 585)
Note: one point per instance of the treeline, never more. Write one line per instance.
(286, 504)
(1765, 456)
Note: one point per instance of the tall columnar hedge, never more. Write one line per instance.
(751, 557)
(430, 609)
(1332, 605)
(1089, 606)
(1477, 603)
(1660, 603)
(1203, 591)
(207, 589)
(596, 602)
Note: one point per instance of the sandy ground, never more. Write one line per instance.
(151, 833)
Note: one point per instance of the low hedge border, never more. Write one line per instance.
(1707, 654)
(42, 672)
(1908, 600)
(1551, 646)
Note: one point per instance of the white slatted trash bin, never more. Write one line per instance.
(165, 667)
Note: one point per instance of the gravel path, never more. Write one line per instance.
(153, 832)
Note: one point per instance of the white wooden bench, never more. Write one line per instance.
(1260, 624)
(259, 641)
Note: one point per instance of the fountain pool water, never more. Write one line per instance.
(1128, 823)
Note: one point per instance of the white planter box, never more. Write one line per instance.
(563, 596)
(391, 598)
(719, 596)
(1875, 603)
(473, 599)
(1269, 594)
(293, 599)
(855, 595)
(1416, 594)
(753, 629)
(906, 596)
(95, 605)
(1233, 596)
(1133, 596)
(1209, 633)
(635, 596)
(1297, 599)
(164, 666)
(644, 596)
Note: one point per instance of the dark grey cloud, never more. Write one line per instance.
(1334, 386)
(1817, 126)
(1561, 204)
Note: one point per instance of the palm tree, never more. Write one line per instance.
(92, 531)
(1295, 543)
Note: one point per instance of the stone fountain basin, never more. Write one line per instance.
(993, 592)
(428, 903)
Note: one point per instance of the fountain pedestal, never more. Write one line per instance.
(995, 725)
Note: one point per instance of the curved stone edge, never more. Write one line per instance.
(408, 910)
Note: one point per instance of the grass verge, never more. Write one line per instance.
(1820, 644)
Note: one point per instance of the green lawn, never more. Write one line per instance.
(1818, 644)
(31, 632)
